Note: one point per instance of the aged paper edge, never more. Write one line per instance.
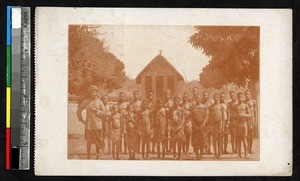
(51, 82)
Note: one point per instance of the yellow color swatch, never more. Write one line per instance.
(8, 106)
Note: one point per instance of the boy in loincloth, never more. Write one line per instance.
(106, 123)
(151, 104)
(137, 104)
(160, 122)
(115, 122)
(144, 119)
(231, 112)
(93, 122)
(199, 115)
(168, 104)
(187, 129)
(252, 121)
(131, 132)
(209, 127)
(217, 119)
(177, 124)
(242, 114)
(122, 107)
(226, 127)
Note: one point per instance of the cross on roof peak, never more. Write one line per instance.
(160, 51)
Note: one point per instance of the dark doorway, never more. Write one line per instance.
(171, 85)
(159, 86)
(148, 85)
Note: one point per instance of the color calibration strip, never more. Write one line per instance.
(8, 87)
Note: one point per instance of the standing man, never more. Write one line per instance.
(131, 132)
(115, 123)
(168, 104)
(242, 114)
(186, 106)
(217, 118)
(177, 124)
(137, 105)
(160, 127)
(144, 118)
(151, 104)
(122, 108)
(252, 121)
(199, 116)
(232, 120)
(209, 127)
(106, 122)
(226, 127)
(93, 122)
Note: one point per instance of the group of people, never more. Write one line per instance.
(170, 125)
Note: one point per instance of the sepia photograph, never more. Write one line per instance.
(163, 92)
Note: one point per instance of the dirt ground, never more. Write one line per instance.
(77, 145)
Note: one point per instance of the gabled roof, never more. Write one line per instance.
(159, 57)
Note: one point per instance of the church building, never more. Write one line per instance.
(158, 76)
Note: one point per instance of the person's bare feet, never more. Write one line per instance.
(98, 156)
(251, 152)
(225, 152)
(187, 156)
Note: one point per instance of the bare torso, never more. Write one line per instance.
(241, 110)
(116, 121)
(198, 114)
(216, 114)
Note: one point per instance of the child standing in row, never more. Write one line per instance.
(131, 132)
(199, 116)
(144, 118)
(177, 124)
(242, 114)
(160, 125)
(186, 106)
(217, 120)
(115, 121)
(106, 122)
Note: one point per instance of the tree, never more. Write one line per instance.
(234, 53)
(91, 63)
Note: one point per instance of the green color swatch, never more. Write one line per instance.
(8, 66)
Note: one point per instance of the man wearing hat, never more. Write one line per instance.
(93, 122)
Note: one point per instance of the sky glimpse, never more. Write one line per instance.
(136, 46)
